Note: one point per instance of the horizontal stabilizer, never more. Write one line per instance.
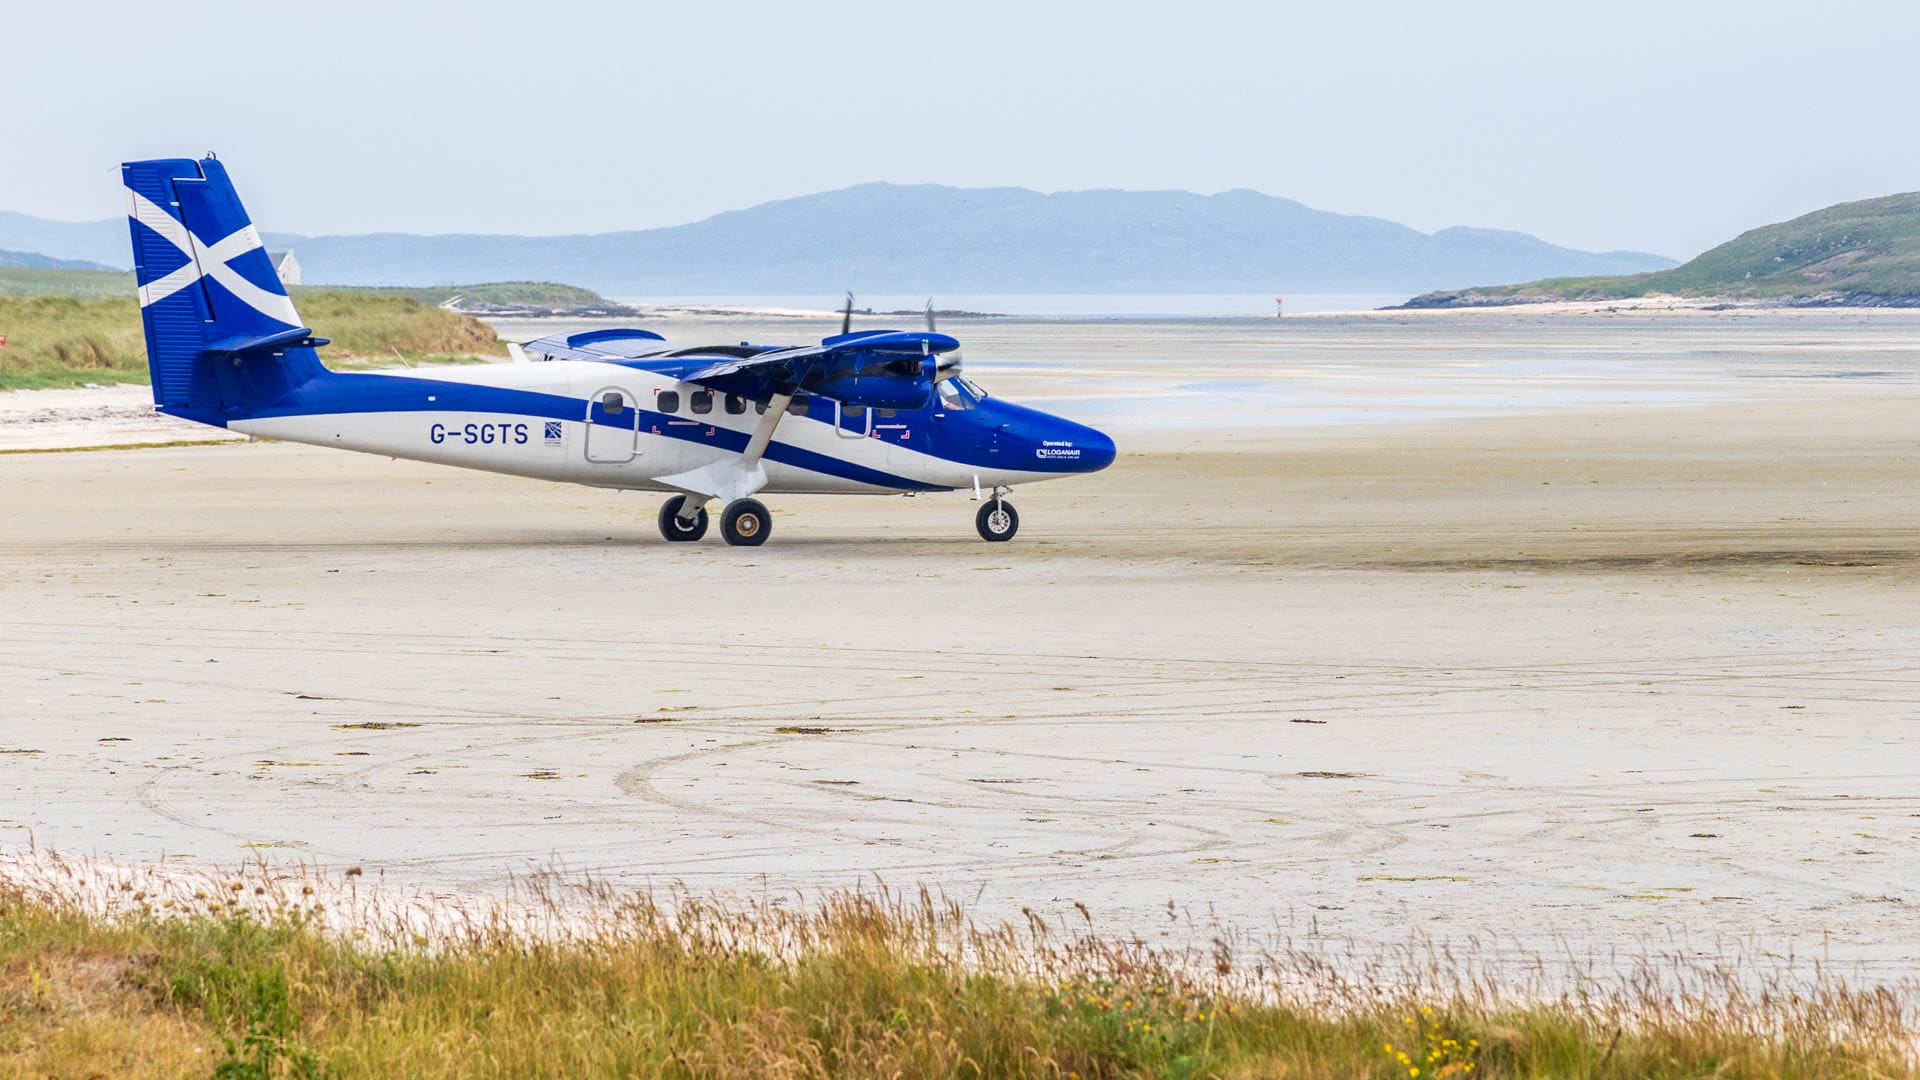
(298, 337)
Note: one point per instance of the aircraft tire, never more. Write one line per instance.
(673, 528)
(997, 521)
(745, 523)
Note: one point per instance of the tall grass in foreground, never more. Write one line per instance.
(266, 974)
(70, 341)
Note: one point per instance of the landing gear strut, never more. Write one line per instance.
(997, 520)
(675, 527)
(745, 523)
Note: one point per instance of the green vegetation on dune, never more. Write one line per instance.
(55, 341)
(28, 281)
(31, 281)
(492, 293)
(1863, 253)
(69, 341)
(245, 983)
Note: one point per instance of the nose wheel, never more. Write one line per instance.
(997, 520)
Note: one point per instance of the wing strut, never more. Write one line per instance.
(763, 433)
(736, 479)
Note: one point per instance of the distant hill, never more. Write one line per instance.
(30, 260)
(505, 295)
(35, 281)
(934, 239)
(1857, 254)
(103, 242)
(515, 297)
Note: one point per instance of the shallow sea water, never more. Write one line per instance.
(1136, 374)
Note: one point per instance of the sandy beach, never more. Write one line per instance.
(1586, 636)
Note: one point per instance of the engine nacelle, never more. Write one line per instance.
(879, 391)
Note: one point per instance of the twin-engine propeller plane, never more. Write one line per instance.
(870, 412)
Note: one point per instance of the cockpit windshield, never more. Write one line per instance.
(956, 392)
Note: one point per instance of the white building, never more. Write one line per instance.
(285, 266)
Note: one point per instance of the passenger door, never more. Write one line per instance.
(613, 427)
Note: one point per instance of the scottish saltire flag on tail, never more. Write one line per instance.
(206, 285)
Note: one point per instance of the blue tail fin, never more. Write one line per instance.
(221, 332)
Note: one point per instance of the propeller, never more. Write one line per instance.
(846, 316)
(949, 363)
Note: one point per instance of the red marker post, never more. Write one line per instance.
(1279, 306)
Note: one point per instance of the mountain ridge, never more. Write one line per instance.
(935, 238)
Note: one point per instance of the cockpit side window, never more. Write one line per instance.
(952, 396)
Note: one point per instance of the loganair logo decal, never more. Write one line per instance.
(552, 436)
(1057, 450)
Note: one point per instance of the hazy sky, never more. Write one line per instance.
(1666, 126)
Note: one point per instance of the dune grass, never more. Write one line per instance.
(263, 976)
(55, 341)
(41, 281)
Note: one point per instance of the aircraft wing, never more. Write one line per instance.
(885, 355)
(602, 345)
(883, 368)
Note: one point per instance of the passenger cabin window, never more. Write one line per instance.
(613, 403)
(886, 414)
(701, 401)
(735, 405)
(760, 407)
(853, 412)
(668, 401)
(802, 404)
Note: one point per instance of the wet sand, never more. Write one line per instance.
(1595, 676)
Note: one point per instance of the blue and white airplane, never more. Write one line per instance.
(876, 412)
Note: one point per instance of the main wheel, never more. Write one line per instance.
(997, 520)
(745, 523)
(674, 527)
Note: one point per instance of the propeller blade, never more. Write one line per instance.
(930, 327)
(846, 317)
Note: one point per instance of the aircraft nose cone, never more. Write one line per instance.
(1097, 449)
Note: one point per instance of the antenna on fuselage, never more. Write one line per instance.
(846, 316)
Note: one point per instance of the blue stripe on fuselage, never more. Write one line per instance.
(349, 392)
